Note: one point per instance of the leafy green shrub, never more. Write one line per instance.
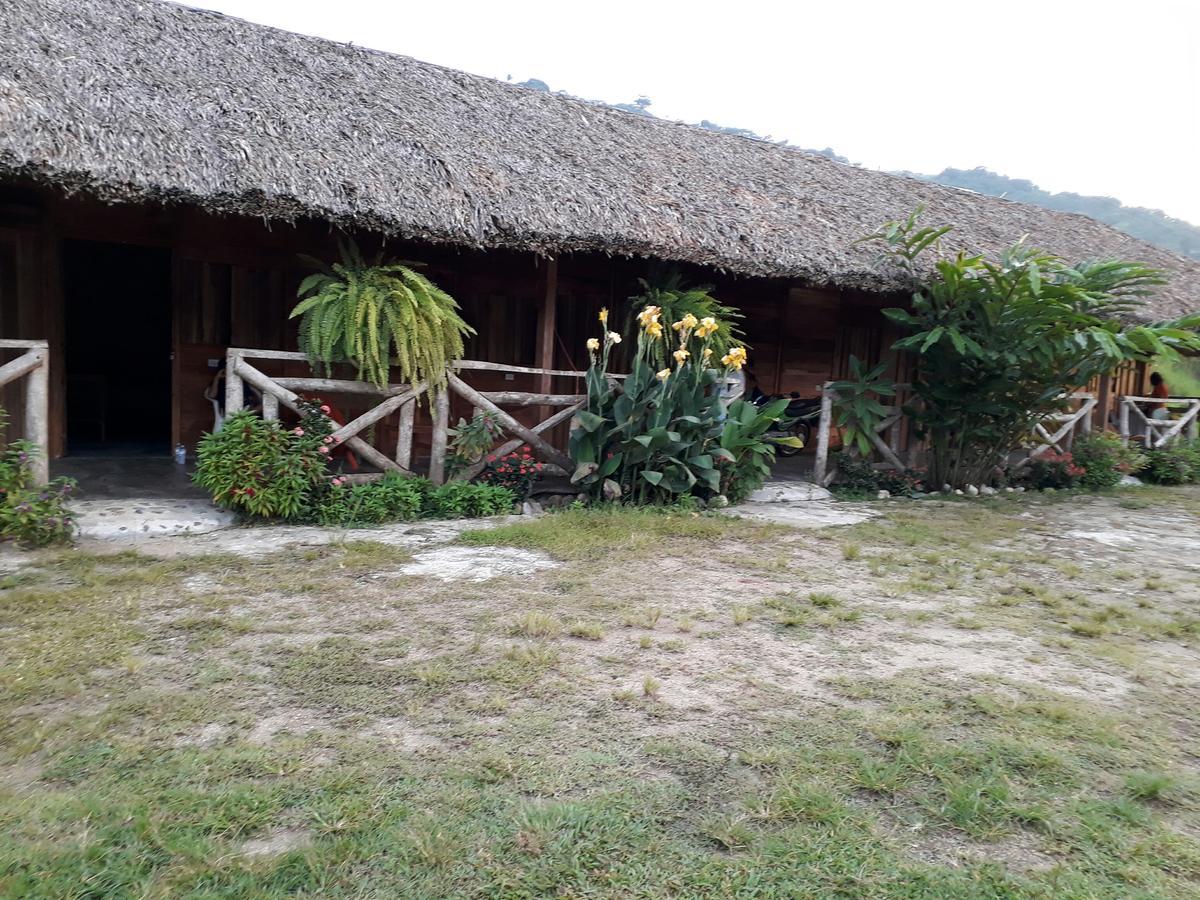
(261, 468)
(675, 300)
(858, 476)
(393, 498)
(1175, 464)
(1000, 341)
(471, 440)
(461, 499)
(1105, 460)
(30, 515)
(1055, 470)
(857, 409)
(742, 438)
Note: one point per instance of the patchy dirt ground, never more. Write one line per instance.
(958, 694)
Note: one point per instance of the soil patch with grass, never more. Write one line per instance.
(986, 699)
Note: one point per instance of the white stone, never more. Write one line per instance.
(883, 495)
(789, 492)
(958, 492)
(946, 489)
(476, 563)
(1009, 490)
(987, 490)
(806, 515)
(124, 519)
(972, 491)
(1020, 490)
(531, 508)
(1130, 481)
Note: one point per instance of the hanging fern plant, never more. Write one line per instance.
(375, 315)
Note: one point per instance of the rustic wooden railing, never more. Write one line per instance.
(1157, 433)
(34, 366)
(402, 400)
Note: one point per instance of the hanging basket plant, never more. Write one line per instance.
(378, 315)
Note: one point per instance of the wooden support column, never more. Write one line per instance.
(1103, 402)
(233, 384)
(404, 439)
(821, 463)
(547, 322)
(441, 423)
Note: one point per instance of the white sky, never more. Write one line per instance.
(1099, 97)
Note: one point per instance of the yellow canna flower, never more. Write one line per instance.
(654, 329)
(707, 353)
(604, 315)
(663, 374)
(708, 325)
(687, 323)
(681, 356)
(613, 337)
(649, 316)
(735, 358)
(593, 344)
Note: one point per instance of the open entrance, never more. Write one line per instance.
(117, 299)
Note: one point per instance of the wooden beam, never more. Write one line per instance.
(22, 365)
(15, 344)
(521, 398)
(547, 322)
(548, 452)
(375, 413)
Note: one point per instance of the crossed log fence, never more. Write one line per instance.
(34, 366)
(402, 400)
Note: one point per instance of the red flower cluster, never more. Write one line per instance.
(1066, 460)
(516, 471)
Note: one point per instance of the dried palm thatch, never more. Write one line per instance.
(150, 101)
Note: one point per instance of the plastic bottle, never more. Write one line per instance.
(180, 455)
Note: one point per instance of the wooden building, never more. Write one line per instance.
(162, 168)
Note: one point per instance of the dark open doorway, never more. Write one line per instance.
(118, 348)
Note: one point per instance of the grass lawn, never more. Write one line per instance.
(955, 699)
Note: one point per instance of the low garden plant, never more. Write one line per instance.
(1178, 463)
(516, 471)
(31, 515)
(1106, 460)
(266, 470)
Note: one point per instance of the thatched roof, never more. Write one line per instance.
(151, 101)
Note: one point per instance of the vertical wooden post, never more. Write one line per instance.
(270, 404)
(821, 464)
(1194, 425)
(1124, 420)
(233, 385)
(547, 322)
(37, 415)
(1103, 401)
(404, 438)
(441, 422)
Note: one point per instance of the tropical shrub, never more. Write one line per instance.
(675, 300)
(32, 516)
(365, 312)
(462, 499)
(516, 471)
(1000, 342)
(1177, 463)
(1055, 470)
(471, 440)
(742, 437)
(1106, 459)
(856, 410)
(261, 468)
(392, 498)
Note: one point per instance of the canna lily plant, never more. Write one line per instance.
(658, 435)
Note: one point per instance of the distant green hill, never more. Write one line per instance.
(1150, 225)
